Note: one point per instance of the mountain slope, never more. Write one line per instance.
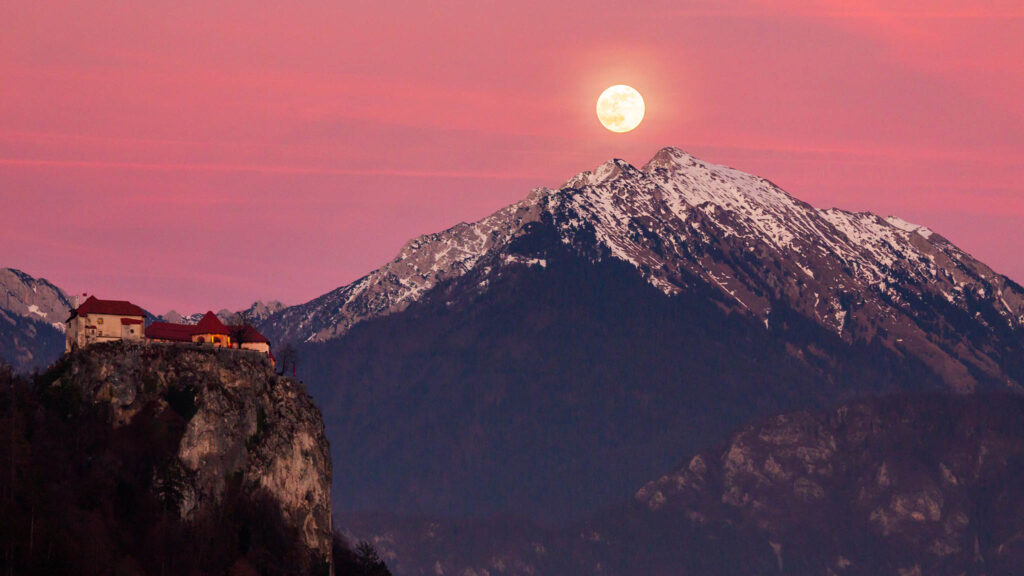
(925, 484)
(550, 358)
(32, 314)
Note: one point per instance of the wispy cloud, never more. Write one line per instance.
(257, 168)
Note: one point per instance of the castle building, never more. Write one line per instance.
(211, 331)
(248, 338)
(103, 321)
(107, 320)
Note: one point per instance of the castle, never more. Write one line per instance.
(98, 320)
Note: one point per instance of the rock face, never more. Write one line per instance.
(925, 484)
(906, 485)
(244, 423)
(32, 314)
(35, 298)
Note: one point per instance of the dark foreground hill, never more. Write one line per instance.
(925, 484)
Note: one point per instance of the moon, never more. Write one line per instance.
(620, 108)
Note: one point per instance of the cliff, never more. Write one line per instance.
(134, 453)
(242, 420)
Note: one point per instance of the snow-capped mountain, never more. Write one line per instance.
(258, 312)
(683, 225)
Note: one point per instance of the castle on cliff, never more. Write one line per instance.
(98, 320)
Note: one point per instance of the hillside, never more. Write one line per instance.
(923, 484)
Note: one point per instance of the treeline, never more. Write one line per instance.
(80, 497)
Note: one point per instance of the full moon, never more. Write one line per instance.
(620, 108)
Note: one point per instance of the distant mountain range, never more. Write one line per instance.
(556, 355)
(253, 315)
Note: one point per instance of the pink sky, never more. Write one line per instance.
(196, 155)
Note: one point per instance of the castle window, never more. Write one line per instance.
(99, 320)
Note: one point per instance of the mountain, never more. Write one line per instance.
(34, 298)
(255, 314)
(552, 357)
(924, 484)
(32, 314)
(143, 459)
(684, 224)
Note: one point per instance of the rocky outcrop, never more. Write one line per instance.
(244, 424)
(926, 485)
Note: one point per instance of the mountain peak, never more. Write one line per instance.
(669, 158)
(908, 226)
(606, 172)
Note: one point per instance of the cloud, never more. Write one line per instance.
(255, 168)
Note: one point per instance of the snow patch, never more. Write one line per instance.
(908, 226)
(517, 259)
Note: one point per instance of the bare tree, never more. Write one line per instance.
(288, 357)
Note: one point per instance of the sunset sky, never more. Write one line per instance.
(199, 155)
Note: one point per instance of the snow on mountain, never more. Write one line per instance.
(33, 298)
(681, 222)
(32, 314)
(421, 265)
(254, 314)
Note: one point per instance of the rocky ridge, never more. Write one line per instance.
(903, 485)
(255, 314)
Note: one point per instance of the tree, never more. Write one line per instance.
(288, 357)
(363, 561)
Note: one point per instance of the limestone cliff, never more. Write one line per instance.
(244, 423)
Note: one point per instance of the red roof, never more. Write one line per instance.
(168, 331)
(247, 334)
(210, 324)
(130, 321)
(94, 305)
